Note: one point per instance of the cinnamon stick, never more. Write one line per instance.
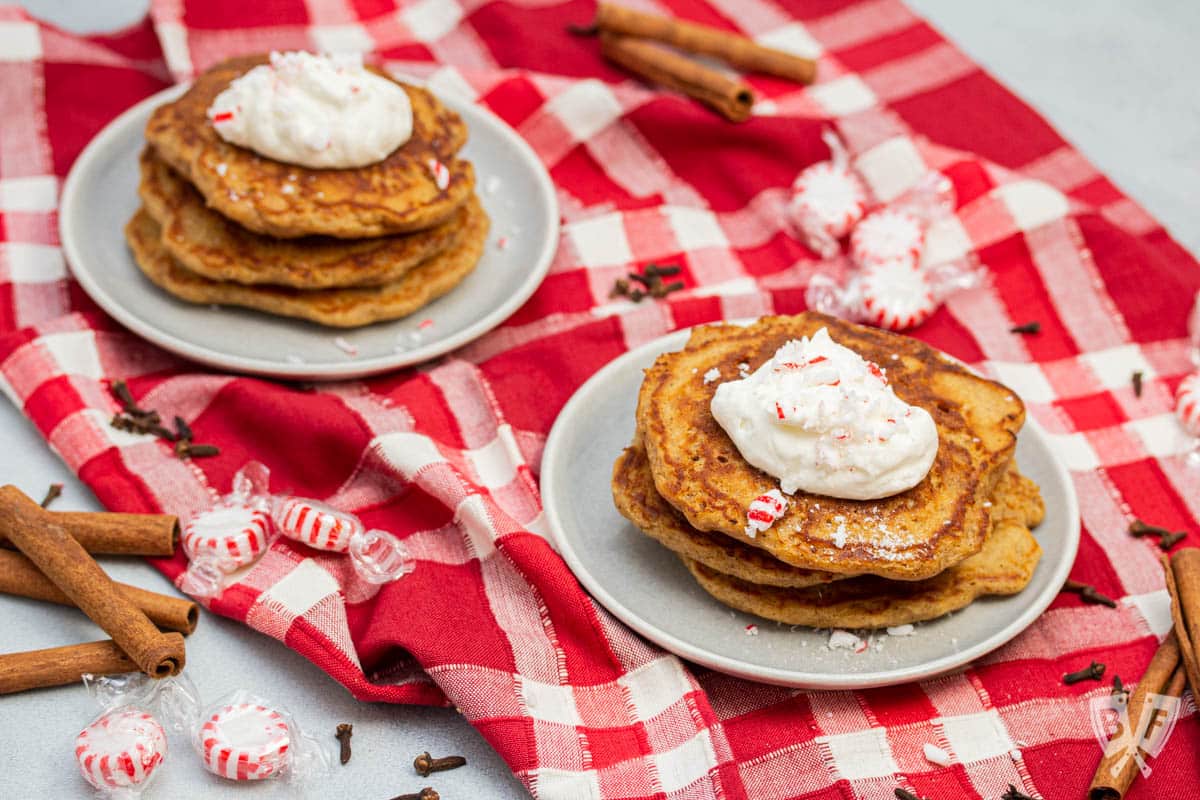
(731, 98)
(109, 533)
(61, 559)
(1184, 618)
(734, 49)
(19, 576)
(1119, 765)
(59, 666)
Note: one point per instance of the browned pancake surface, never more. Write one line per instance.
(217, 248)
(342, 308)
(910, 536)
(396, 195)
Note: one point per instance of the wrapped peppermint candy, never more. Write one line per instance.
(377, 556)
(247, 738)
(1194, 331)
(890, 282)
(232, 534)
(828, 199)
(122, 749)
(1187, 404)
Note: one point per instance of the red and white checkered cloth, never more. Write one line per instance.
(446, 455)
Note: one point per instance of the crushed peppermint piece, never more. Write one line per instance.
(763, 511)
(346, 346)
(713, 374)
(425, 324)
(845, 640)
(288, 189)
(936, 755)
(752, 630)
(440, 173)
(502, 243)
(839, 536)
(407, 340)
(222, 168)
(901, 630)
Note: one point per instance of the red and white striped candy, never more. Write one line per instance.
(896, 295)
(828, 199)
(887, 235)
(316, 524)
(1187, 404)
(121, 749)
(440, 173)
(764, 510)
(245, 742)
(231, 533)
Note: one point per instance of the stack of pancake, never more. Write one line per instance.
(341, 247)
(961, 533)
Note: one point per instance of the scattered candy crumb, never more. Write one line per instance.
(441, 174)
(752, 630)
(839, 536)
(901, 630)
(845, 640)
(763, 511)
(502, 243)
(713, 374)
(425, 324)
(222, 168)
(936, 755)
(346, 346)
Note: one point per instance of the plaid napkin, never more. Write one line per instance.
(446, 455)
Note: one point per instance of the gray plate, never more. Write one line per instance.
(100, 196)
(648, 588)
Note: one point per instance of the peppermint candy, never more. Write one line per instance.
(764, 511)
(245, 742)
(887, 235)
(828, 201)
(316, 524)
(120, 750)
(440, 173)
(896, 295)
(1187, 404)
(377, 556)
(234, 534)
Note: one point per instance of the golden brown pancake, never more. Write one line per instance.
(1004, 566)
(1017, 500)
(208, 244)
(396, 195)
(910, 536)
(640, 503)
(341, 308)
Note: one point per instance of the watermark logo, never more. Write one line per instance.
(1133, 739)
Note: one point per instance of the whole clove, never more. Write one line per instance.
(1092, 672)
(425, 764)
(1089, 594)
(185, 449)
(1014, 793)
(905, 794)
(428, 793)
(1118, 687)
(1136, 378)
(182, 429)
(344, 731)
(53, 493)
(1027, 327)
(637, 286)
(1167, 541)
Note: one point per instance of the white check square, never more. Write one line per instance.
(585, 109)
(601, 241)
(695, 228)
(976, 737)
(1032, 203)
(549, 703)
(864, 754)
(844, 95)
(430, 20)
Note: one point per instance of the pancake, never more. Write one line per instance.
(1004, 566)
(1017, 500)
(340, 308)
(208, 244)
(396, 195)
(640, 503)
(910, 536)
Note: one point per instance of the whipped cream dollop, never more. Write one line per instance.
(314, 111)
(823, 420)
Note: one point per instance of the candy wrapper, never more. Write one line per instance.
(232, 534)
(377, 556)
(121, 750)
(828, 200)
(247, 738)
(888, 280)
